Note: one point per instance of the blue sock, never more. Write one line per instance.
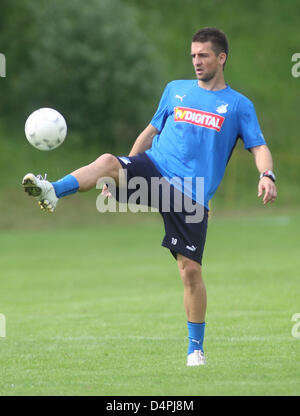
(196, 336)
(66, 186)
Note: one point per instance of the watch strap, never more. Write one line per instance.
(268, 174)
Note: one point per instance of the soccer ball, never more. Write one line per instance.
(45, 129)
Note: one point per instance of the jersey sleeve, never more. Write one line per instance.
(162, 112)
(249, 128)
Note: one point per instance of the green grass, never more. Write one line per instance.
(98, 310)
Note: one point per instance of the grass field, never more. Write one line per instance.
(98, 311)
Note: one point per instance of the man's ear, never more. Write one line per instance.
(222, 58)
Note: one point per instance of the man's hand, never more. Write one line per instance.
(267, 186)
(105, 192)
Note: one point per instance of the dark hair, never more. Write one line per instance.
(217, 38)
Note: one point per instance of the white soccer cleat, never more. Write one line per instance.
(196, 358)
(42, 190)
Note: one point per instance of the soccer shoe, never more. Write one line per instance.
(42, 190)
(196, 358)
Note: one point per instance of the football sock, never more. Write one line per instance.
(66, 186)
(196, 336)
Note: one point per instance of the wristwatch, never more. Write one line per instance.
(268, 174)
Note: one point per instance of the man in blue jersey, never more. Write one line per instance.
(192, 135)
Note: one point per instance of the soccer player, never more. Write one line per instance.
(192, 135)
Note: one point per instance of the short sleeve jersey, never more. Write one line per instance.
(198, 131)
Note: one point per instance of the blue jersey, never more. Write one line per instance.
(198, 131)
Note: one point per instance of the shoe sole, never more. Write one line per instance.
(196, 365)
(30, 186)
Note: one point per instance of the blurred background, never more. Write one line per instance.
(104, 64)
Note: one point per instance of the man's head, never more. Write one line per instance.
(209, 50)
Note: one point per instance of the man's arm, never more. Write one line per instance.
(144, 140)
(263, 160)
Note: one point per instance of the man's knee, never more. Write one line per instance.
(109, 163)
(107, 160)
(190, 271)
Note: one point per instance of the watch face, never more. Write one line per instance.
(268, 174)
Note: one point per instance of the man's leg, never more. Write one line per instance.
(106, 165)
(82, 179)
(194, 289)
(195, 305)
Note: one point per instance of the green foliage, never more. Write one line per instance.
(90, 61)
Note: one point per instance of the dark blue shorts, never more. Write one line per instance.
(185, 221)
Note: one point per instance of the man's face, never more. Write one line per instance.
(206, 63)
